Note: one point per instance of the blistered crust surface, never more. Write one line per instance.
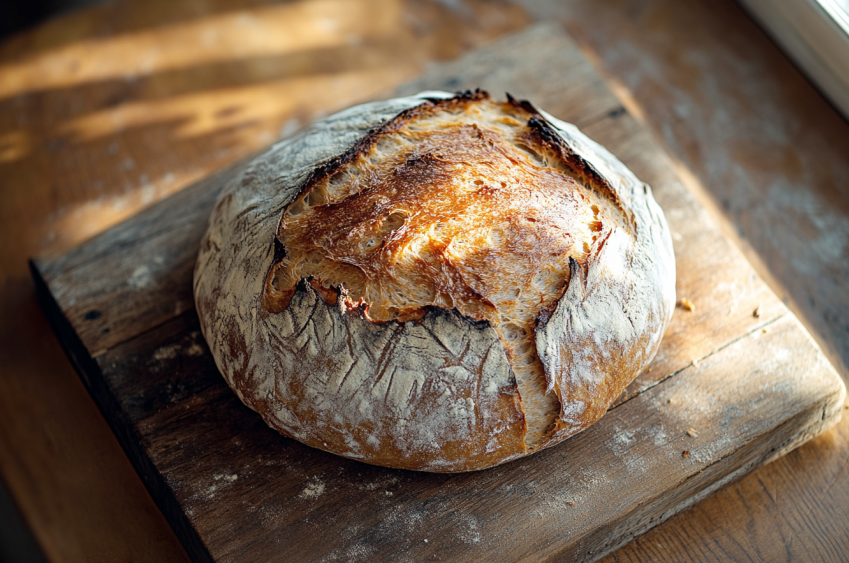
(436, 393)
(458, 205)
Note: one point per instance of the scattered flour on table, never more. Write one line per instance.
(142, 275)
(591, 480)
(711, 452)
(140, 278)
(314, 489)
(379, 483)
(560, 504)
(622, 444)
(166, 352)
(356, 553)
(622, 440)
(221, 481)
(634, 446)
(468, 530)
(171, 351)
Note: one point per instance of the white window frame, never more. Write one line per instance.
(815, 34)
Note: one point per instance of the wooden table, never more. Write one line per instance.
(105, 111)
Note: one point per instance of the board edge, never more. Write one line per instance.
(90, 374)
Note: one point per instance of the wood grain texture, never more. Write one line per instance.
(768, 155)
(693, 72)
(108, 110)
(753, 387)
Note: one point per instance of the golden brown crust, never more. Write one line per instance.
(464, 203)
(468, 281)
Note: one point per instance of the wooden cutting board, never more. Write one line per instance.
(737, 383)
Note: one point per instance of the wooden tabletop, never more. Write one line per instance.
(107, 110)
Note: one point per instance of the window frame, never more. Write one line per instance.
(815, 34)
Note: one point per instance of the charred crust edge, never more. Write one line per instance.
(338, 297)
(362, 146)
(367, 141)
(541, 133)
(522, 104)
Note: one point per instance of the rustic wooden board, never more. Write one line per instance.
(753, 387)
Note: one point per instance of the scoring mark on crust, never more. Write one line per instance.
(463, 203)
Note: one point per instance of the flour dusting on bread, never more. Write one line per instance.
(457, 207)
(439, 282)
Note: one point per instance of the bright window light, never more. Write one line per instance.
(815, 34)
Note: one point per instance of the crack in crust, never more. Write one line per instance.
(462, 203)
(302, 320)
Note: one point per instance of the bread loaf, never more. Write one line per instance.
(439, 282)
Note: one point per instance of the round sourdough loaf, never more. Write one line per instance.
(440, 282)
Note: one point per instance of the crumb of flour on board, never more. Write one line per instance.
(691, 432)
(221, 480)
(314, 489)
(171, 352)
(686, 304)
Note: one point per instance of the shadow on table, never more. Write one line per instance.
(17, 544)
